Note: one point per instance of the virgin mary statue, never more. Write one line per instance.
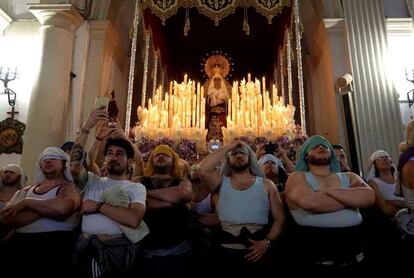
(218, 93)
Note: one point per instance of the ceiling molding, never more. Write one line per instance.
(5, 20)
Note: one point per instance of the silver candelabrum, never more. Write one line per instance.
(6, 76)
(410, 94)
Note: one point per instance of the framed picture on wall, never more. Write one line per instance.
(11, 136)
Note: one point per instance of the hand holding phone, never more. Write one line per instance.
(271, 148)
(101, 102)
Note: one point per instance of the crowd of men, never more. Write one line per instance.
(239, 211)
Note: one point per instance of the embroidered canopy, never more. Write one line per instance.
(215, 9)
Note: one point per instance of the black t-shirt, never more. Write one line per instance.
(168, 226)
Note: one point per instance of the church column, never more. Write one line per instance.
(102, 44)
(376, 100)
(47, 119)
(338, 46)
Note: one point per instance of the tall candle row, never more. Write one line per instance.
(251, 106)
(182, 107)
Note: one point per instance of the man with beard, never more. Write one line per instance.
(275, 171)
(249, 209)
(325, 206)
(12, 178)
(45, 217)
(167, 215)
(341, 155)
(112, 208)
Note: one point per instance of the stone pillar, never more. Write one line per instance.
(377, 109)
(102, 44)
(47, 119)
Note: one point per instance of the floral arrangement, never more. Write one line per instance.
(186, 148)
(145, 146)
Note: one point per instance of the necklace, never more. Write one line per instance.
(322, 176)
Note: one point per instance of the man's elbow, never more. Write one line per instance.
(186, 195)
(66, 210)
(134, 223)
(369, 200)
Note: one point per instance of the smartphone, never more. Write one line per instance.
(271, 148)
(101, 101)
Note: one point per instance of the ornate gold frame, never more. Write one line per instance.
(11, 136)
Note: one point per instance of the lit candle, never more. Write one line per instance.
(263, 84)
(193, 110)
(229, 108)
(185, 78)
(198, 105)
(203, 111)
(183, 111)
(249, 78)
(259, 110)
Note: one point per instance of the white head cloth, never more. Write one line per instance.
(17, 170)
(53, 153)
(371, 167)
(254, 166)
(271, 157)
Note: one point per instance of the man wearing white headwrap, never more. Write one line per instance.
(383, 233)
(381, 178)
(45, 219)
(245, 201)
(275, 171)
(12, 178)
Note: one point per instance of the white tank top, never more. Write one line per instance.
(249, 206)
(387, 190)
(203, 206)
(45, 224)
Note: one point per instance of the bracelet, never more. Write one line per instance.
(98, 206)
(98, 138)
(84, 130)
(269, 242)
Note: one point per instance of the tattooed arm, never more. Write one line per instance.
(78, 153)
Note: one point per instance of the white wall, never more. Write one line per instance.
(400, 37)
(19, 47)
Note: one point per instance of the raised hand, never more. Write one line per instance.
(96, 115)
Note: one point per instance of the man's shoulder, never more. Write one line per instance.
(129, 185)
(297, 175)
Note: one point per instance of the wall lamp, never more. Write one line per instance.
(6, 76)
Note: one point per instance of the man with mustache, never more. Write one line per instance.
(246, 201)
(112, 208)
(324, 203)
(12, 178)
(45, 217)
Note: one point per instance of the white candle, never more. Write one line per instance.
(263, 84)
